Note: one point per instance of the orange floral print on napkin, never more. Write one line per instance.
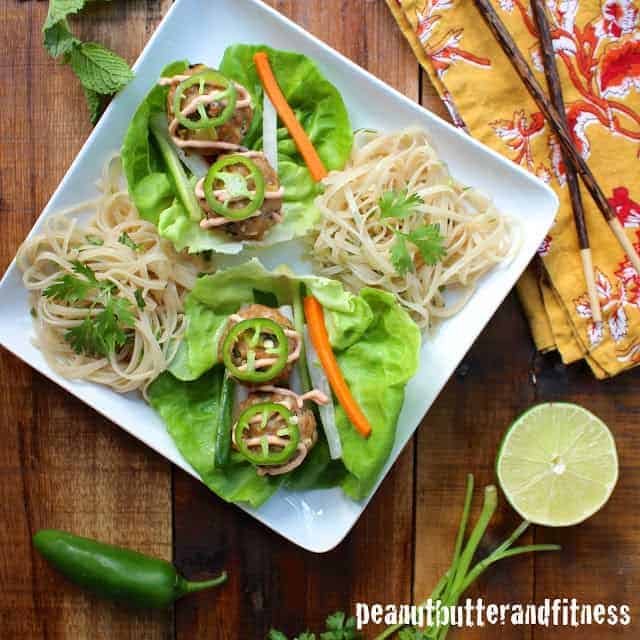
(597, 47)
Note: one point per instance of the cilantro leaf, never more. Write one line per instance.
(126, 240)
(84, 270)
(58, 40)
(95, 240)
(335, 622)
(104, 333)
(398, 204)
(400, 256)
(430, 242)
(99, 69)
(70, 288)
(339, 627)
(139, 299)
(85, 338)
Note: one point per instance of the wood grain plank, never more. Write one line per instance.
(273, 583)
(460, 435)
(601, 557)
(61, 464)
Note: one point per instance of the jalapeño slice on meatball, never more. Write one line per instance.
(255, 350)
(191, 106)
(267, 434)
(227, 191)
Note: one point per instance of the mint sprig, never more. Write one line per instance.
(101, 72)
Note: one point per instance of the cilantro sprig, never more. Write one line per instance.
(399, 204)
(101, 72)
(338, 627)
(427, 237)
(102, 333)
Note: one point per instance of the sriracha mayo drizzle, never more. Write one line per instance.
(190, 106)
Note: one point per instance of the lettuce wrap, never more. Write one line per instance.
(376, 344)
(161, 186)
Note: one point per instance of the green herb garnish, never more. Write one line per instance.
(139, 299)
(98, 334)
(399, 204)
(427, 239)
(338, 627)
(102, 334)
(95, 240)
(101, 71)
(126, 240)
(73, 288)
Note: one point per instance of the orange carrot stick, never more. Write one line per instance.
(305, 146)
(320, 339)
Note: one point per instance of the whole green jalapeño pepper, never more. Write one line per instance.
(264, 453)
(115, 573)
(207, 78)
(236, 187)
(251, 341)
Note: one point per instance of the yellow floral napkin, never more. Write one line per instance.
(598, 56)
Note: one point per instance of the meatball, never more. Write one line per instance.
(306, 423)
(255, 227)
(262, 311)
(232, 131)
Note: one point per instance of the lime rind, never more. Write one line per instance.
(557, 464)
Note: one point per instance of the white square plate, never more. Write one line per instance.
(316, 520)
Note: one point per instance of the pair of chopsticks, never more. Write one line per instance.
(555, 114)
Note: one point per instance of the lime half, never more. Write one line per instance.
(557, 464)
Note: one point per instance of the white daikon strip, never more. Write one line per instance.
(270, 132)
(327, 411)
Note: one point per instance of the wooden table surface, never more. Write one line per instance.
(62, 465)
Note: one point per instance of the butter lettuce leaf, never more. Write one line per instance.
(190, 411)
(375, 341)
(156, 189)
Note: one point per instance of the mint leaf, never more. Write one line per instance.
(99, 69)
(94, 104)
(58, 40)
(400, 256)
(430, 243)
(276, 635)
(59, 10)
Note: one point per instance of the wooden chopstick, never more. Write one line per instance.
(557, 124)
(555, 91)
